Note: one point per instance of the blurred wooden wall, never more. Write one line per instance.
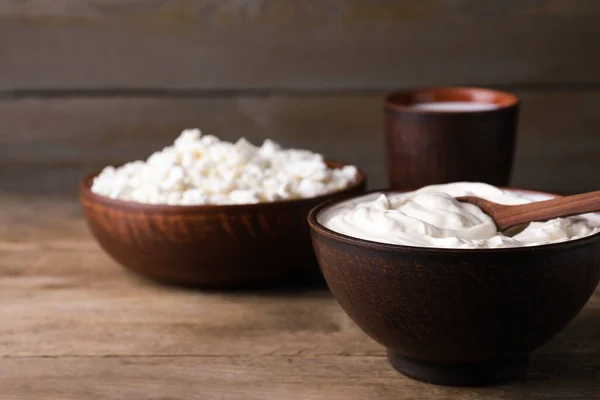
(84, 83)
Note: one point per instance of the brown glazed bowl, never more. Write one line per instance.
(209, 245)
(457, 317)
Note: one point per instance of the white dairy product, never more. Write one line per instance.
(201, 169)
(432, 217)
(454, 106)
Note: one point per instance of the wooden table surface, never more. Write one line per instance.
(74, 325)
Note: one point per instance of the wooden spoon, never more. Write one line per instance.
(509, 216)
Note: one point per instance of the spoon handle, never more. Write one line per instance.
(548, 209)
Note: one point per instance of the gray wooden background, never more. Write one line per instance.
(84, 83)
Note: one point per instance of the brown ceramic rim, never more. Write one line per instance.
(86, 183)
(321, 229)
(501, 99)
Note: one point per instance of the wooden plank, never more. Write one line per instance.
(298, 44)
(100, 310)
(277, 378)
(61, 295)
(48, 144)
(61, 301)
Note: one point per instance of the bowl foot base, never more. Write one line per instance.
(458, 374)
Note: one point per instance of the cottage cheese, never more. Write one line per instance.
(201, 169)
(432, 217)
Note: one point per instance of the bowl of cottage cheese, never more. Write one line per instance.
(454, 301)
(207, 212)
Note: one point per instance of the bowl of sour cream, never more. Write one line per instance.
(453, 300)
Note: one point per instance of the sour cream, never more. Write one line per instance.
(432, 217)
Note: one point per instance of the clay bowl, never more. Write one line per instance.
(212, 245)
(457, 317)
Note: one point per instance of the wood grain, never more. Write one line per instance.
(279, 378)
(77, 326)
(316, 44)
(57, 292)
(47, 144)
